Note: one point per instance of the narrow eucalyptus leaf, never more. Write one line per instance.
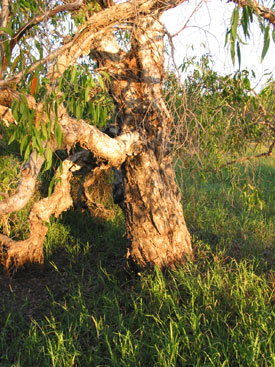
(266, 42)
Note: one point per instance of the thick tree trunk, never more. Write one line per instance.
(154, 217)
(152, 204)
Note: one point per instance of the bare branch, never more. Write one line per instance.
(198, 6)
(259, 9)
(114, 150)
(268, 153)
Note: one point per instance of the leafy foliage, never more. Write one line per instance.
(242, 17)
(217, 117)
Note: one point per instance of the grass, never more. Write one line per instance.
(87, 306)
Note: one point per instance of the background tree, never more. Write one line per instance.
(60, 62)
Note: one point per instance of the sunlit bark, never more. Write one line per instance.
(152, 204)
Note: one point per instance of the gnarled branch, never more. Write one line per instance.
(18, 253)
(114, 150)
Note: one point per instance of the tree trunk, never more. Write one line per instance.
(152, 204)
(154, 217)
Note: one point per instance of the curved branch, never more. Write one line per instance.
(26, 186)
(17, 253)
(114, 150)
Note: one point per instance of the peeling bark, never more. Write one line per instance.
(152, 204)
(113, 150)
(154, 216)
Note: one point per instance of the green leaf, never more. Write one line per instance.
(185, 65)
(106, 76)
(239, 53)
(73, 74)
(14, 110)
(103, 116)
(101, 83)
(15, 62)
(39, 48)
(49, 128)
(7, 51)
(27, 153)
(44, 130)
(232, 51)
(49, 159)
(39, 145)
(24, 143)
(12, 138)
(78, 111)
(34, 143)
(245, 21)
(234, 23)
(87, 92)
(266, 42)
(58, 135)
(50, 189)
(7, 30)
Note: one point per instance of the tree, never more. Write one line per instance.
(103, 49)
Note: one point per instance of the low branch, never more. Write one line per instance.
(17, 253)
(268, 153)
(8, 95)
(6, 115)
(26, 186)
(114, 150)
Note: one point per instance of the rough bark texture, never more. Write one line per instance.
(152, 205)
(154, 217)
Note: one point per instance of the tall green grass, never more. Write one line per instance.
(88, 306)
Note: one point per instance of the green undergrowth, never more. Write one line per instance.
(212, 312)
(89, 306)
(233, 209)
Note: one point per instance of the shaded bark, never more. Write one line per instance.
(154, 217)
